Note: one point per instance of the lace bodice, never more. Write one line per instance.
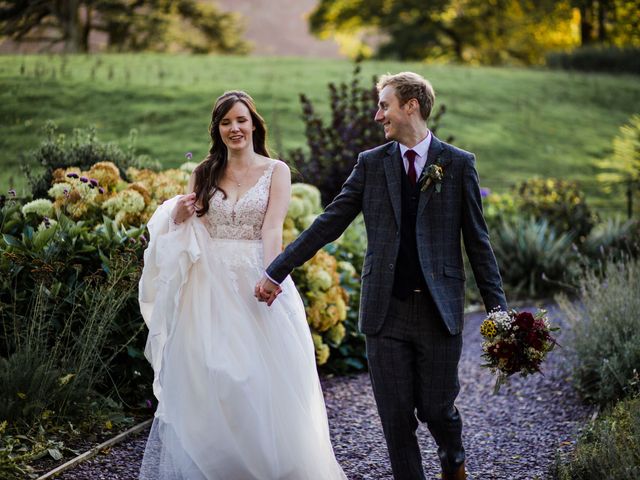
(242, 220)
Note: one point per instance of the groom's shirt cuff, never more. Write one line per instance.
(267, 275)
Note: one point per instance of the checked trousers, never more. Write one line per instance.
(413, 365)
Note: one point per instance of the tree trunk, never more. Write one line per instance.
(86, 29)
(68, 15)
(586, 23)
(602, 16)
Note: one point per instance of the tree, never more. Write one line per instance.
(129, 24)
(623, 168)
(480, 31)
(609, 22)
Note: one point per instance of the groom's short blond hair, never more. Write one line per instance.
(408, 85)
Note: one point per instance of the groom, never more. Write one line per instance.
(418, 196)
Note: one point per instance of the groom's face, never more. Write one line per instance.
(393, 117)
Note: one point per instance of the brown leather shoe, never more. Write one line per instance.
(458, 474)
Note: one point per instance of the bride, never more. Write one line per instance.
(236, 382)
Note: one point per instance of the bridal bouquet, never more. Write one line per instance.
(515, 342)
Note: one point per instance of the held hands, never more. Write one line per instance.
(185, 207)
(267, 291)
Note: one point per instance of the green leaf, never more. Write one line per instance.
(12, 241)
(28, 232)
(42, 237)
(55, 453)
(134, 352)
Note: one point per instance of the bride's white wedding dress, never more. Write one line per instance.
(236, 382)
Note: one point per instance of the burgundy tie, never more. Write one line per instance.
(411, 172)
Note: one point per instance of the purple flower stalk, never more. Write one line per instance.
(188, 155)
(93, 182)
(101, 190)
(484, 192)
(12, 192)
(72, 175)
(143, 239)
(84, 179)
(149, 404)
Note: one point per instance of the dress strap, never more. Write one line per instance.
(269, 170)
(268, 173)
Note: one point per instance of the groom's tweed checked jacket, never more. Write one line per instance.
(374, 187)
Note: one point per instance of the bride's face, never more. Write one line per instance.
(236, 128)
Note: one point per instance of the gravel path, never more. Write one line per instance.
(513, 435)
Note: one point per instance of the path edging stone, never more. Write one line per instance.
(94, 451)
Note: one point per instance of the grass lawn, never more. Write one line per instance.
(519, 122)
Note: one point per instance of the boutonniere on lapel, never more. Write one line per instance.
(434, 173)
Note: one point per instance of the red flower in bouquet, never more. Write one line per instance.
(515, 342)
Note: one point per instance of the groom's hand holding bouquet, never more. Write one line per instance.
(515, 342)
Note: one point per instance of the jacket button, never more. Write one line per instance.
(391, 266)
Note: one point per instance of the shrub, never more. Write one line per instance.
(534, 259)
(605, 336)
(598, 59)
(318, 280)
(499, 208)
(99, 190)
(334, 147)
(65, 309)
(608, 448)
(55, 367)
(83, 151)
(349, 250)
(614, 238)
(622, 169)
(560, 202)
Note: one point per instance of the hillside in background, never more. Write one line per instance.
(279, 27)
(520, 122)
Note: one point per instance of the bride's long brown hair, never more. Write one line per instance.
(210, 171)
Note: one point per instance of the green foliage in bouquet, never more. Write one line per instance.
(608, 448)
(606, 332)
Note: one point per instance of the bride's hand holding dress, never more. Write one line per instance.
(238, 391)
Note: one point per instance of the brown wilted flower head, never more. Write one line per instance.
(142, 190)
(106, 173)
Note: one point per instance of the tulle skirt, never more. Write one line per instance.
(239, 396)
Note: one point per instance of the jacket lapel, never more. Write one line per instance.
(435, 151)
(393, 172)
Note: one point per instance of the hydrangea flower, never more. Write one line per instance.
(41, 207)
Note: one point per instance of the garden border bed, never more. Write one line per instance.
(95, 450)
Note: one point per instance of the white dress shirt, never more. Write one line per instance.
(421, 150)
